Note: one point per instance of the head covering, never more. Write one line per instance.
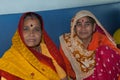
(116, 36)
(45, 38)
(21, 21)
(19, 57)
(99, 26)
(81, 59)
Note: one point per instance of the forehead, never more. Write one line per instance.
(31, 21)
(83, 19)
(31, 18)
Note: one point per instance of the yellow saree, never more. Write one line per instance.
(23, 62)
(19, 61)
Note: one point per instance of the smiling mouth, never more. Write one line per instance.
(31, 40)
(83, 33)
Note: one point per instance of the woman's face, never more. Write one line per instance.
(84, 28)
(32, 32)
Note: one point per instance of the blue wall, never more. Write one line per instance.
(57, 22)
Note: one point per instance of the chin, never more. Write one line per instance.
(30, 46)
(83, 37)
(33, 46)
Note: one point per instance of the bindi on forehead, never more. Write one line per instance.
(31, 25)
(83, 20)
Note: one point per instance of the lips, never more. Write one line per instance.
(83, 33)
(31, 40)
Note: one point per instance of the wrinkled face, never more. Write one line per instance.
(84, 28)
(32, 32)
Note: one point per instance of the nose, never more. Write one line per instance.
(31, 33)
(83, 27)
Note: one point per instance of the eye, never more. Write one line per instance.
(25, 28)
(88, 24)
(78, 24)
(38, 29)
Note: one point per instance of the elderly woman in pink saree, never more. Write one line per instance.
(89, 51)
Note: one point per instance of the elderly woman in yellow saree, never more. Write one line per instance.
(89, 51)
(33, 55)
